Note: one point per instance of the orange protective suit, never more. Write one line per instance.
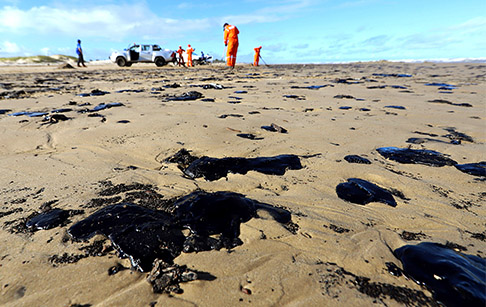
(231, 41)
(189, 52)
(256, 60)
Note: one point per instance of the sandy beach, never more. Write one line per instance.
(333, 252)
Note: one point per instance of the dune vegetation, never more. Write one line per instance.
(38, 59)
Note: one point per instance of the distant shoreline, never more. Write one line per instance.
(40, 60)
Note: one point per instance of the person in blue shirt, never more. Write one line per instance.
(79, 51)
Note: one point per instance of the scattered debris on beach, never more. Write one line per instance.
(256, 211)
(362, 192)
(415, 156)
(455, 278)
(356, 159)
(214, 168)
(152, 238)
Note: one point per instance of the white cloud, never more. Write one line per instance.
(9, 47)
(133, 20)
(105, 21)
(456, 37)
(475, 27)
(478, 23)
(377, 41)
(45, 51)
(282, 11)
(65, 50)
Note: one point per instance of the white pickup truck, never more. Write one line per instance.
(143, 53)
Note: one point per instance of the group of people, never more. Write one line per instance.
(189, 52)
(230, 42)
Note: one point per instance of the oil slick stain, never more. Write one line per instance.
(191, 95)
(415, 156)
(475, 169)
(455, 278)
(356, 159)
(143, 234)
(135, 232)
(48, 220)
(362, 192)
(214, 168)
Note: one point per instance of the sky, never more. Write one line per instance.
(289, 31)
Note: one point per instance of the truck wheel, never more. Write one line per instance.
(121, 61)
(159, 62)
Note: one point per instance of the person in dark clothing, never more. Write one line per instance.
(180, 59)
(79, 51)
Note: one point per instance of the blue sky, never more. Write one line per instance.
(290, 31)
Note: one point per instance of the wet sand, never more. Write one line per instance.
(336, 254)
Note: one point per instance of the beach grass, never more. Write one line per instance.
(39, 59)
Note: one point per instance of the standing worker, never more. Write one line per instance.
(256, 60)
(79, 51)
(189, 52)
(231, 42)
(180, 59)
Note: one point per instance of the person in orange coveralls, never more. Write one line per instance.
(180, 59)
(231, 42)
(256, 60)
(189, 52)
